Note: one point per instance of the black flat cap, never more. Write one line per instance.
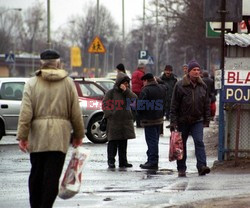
(49, 54)
(147, 76)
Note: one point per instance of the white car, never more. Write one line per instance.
(105, 83)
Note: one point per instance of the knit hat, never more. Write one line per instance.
(192, 64)
(168, 67)
(49, 54)
(121, 67)
(147, 76)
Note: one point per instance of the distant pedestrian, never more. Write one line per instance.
(137, 85)
(120, 68)
(150, 109)
(185, 69)
(120, 125)
(189, 113)
(211, 92)
(169, 79)
(50, 106)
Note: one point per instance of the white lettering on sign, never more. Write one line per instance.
(239, 77)
(238, 94)
(143, 55)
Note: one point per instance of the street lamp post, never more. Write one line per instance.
(48, 24)
(143, 27)
(123, 33)
(157, 40)
(97, 33)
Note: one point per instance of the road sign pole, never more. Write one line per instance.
(221, 104)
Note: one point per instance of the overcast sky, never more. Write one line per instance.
(61, 10)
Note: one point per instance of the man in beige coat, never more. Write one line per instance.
(50, 109)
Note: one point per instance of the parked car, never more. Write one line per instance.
(105, 83)
(90, 98)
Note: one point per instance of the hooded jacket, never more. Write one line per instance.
(189, 103)
(49, 110)
(116, 108)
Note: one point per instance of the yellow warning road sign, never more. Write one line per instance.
(96, 46)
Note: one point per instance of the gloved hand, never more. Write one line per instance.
(206, 124)
(173, 127)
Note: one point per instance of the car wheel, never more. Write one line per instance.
(1, 130)
(94, 133)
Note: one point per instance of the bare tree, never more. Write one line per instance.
(9, 22)
(33, 30)
(182, 34)
(82, 30)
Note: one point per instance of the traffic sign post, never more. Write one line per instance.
(143, 57)
(143, 54)
(10, 58)
(96, 46)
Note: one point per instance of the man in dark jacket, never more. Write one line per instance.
(150, 107)
(169, 80)
(189, 113)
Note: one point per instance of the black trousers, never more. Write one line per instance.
(46, 169)
(121, 146)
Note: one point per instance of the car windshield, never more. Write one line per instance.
(90, 90)
(106, 85)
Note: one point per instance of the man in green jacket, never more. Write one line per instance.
(49, 110)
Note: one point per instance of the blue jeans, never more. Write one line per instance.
(152, 134)
(196, 130)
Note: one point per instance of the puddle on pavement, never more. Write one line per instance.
(179, 186)
(155, 173)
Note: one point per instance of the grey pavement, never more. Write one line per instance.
(132, 187)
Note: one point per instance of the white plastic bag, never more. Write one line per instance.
(71, 182)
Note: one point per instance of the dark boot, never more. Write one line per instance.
(122, 151)
(127, 165)
(111, 165)
(149, 166)
(112, 150)
(203, 170)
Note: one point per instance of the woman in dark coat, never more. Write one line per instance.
(120, 126)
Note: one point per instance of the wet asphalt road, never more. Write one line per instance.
(131, 187)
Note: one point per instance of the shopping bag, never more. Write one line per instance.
(72, 178)
(175, 146)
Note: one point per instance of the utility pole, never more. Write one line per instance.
(97, 33)
(157, 40)
(143, 27)
(48, 24)
(222, 65)
(123, 33)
